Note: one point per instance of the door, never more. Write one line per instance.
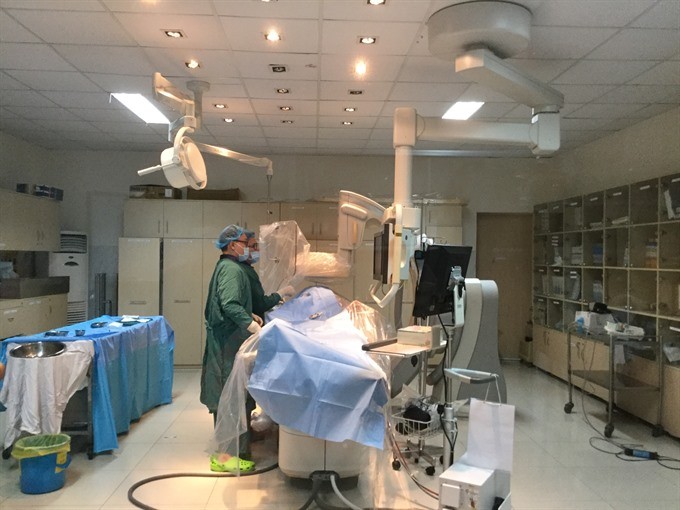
(504, 244)
(139, 264)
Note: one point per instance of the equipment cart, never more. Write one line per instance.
(613, 380)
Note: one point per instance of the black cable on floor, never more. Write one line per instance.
(139, 504)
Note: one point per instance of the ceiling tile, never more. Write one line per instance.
(271, 106)
(234, 130)
(665, 73)
(608, 72)
(543, 70)
(289, 132)
(67, 125)
(299, 121)
(55, 80)
(154, 6)
(392, 38)
(11, 31)
(492, 111)
(256, 65)
(341, 67)
(74, 27)
(104, 59)
(604, 111)
(31, 56)
(564, 42)
(639, 43)
(394, 10)
(363, 109)
(211, 119)
(215, 64)
(240, 106)
(272, 10)
(664, 14)
(582, 93)
(652, 110)
(24, 98)
(57, 5)
(266, 89)
(583, 124)
(642, 94)
(42, 113)
(132, 128)
(600, 13)
(248, 34)
(113, 115)
(340, 143)
(9, 83)
(203, 32)
(223, 90)
(339, 90)
(122, 83)
(424, 109)
(336, 122)
(81, 99)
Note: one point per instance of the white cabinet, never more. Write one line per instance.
(183, 296)
(28, 223)
(12, 318)
(163, 218)
(255, 214)
(139, 275)
(443, 222)
(217, 214)
(317, 220)
(32, 315)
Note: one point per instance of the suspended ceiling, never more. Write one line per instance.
(617, 62)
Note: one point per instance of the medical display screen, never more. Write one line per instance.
(432, 296)
(381, 242)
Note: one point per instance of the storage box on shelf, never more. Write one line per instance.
(620, 246)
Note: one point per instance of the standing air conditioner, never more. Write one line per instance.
(71, 260)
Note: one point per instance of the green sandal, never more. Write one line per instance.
(233, 465)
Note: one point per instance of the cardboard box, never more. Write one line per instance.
(425, 336)
(214, 194)
(154, 191)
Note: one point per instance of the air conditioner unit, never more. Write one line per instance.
(72, 260)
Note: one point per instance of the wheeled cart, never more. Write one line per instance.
(610, 378)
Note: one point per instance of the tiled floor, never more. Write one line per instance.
(554, 465)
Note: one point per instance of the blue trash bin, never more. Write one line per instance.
(43, 460)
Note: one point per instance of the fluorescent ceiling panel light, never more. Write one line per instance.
(142, 108)
(462, 110)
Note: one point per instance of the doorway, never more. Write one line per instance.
(504, 243)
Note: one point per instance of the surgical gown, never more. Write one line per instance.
(227, 316)
(261, 302)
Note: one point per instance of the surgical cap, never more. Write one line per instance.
(229, 234)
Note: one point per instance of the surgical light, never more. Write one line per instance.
(142, 108)
(462, 110)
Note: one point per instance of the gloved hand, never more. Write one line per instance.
(286, 292)
(254, 327)
(257, 319)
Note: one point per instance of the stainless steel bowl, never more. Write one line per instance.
(38, 350)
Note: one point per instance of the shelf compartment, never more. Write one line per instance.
(616, 247)
(644, 246)
(621, 381)
(669, 293)
(593, 248)
(555, 319)
(642, 291)
(573, 284)
(573, 249)
(541, 281)
(593, 210)
(540, 312)
(644, 202)
(669, 245)
(573, 214)
(555, 250)
(616, 288)
(569, 311)
(556, 281)
(541, 219)
(616, 210)
(556, 216)
(669, 203)
(592, 287)
(542, 250)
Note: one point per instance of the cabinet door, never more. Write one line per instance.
(139, 264)
(326, 223)
(557, 350)
(443, 215)
(217, 214)
(12, 319)
(143, 218)
(183, 219)
(255, 214)
(540, 348)
(56, 311)
(304, 213)
(46, 214)
(210, 257)
(182, 296)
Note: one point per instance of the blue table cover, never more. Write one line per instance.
(131, 374)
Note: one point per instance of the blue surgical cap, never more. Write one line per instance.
(229, 234)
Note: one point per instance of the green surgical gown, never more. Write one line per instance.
(261, 302)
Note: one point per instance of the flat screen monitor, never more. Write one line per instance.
(381, 246)
(432, 296)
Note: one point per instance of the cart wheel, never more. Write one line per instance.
(396, 465)
(568, 407)
(416, 460)
(90, 454)
(609, 428)
(6, 452)
(441, 460)
(429, 470)
(657, 431)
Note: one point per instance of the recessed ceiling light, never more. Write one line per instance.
(272, 36)
(228, 120)
(192, 64)
(351, 109)
(286, 122)
(174, 33)
(285, 108)
(462, 110)
(267, 1)
(142, 108)
(220, 106)
(282, 91)
(376, 2)
(360, 68)
(277, 68)
(347, 123)
(367, 39)
(355, 92)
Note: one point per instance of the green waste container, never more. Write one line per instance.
(43, 460)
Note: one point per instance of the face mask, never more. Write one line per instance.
(246, 254)
(254, 256)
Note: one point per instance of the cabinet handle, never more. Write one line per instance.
(159, 227)
(137, 302)
(182, 300)
(166, 227)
